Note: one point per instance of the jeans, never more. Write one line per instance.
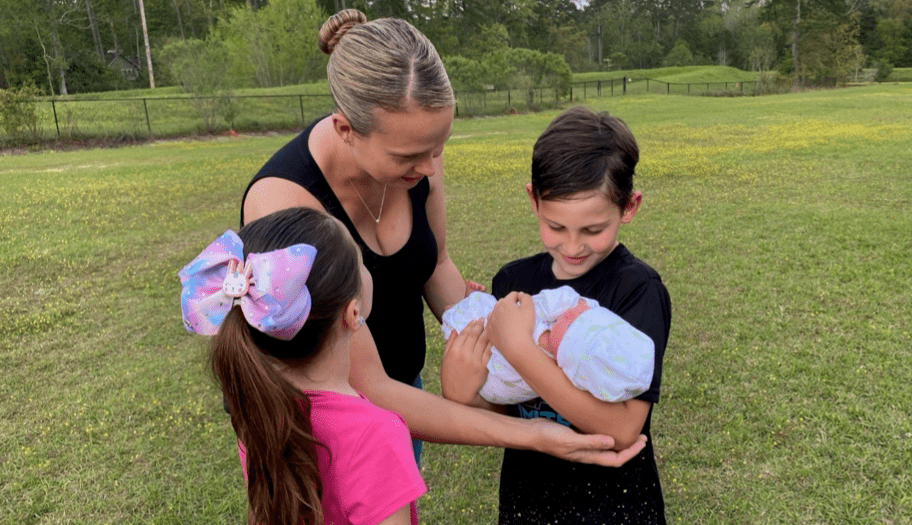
(416, 443)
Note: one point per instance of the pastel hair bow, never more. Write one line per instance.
(270, 287)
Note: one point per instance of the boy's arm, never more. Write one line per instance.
(510, 328)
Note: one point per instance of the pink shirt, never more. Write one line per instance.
(368, 467)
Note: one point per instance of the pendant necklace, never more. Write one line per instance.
(382, 200)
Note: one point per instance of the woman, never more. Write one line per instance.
(376, 165)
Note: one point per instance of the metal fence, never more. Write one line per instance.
(630, 86)
(504, 101)
(143, 118)
(174, 116)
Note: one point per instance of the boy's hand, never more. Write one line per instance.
(464, 367)
(511, 323)
(472, 286)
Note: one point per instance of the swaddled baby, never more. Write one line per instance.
(598, 351)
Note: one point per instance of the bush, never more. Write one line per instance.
(680, 55)
(513, 69)
(88, 73)
(19, 112)
(198, 67)
(771, 82)
(617, 60)
(883, 71)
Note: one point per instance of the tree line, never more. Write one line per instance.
(72, 46)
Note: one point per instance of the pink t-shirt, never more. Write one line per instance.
(368, 467)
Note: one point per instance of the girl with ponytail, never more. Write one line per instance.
(283, 298)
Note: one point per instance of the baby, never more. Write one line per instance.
(598, 351)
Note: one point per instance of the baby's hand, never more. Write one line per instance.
(511, 323)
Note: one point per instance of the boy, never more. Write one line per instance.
(581, 192)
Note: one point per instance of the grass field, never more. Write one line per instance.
(780, 225)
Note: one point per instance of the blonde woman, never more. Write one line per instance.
(376, 164)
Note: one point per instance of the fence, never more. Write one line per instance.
(630, 86)
(142, 118)
(494, 101)
(174, 116)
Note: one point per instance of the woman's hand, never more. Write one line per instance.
(510, 325)
(463, 369)
(563, 442)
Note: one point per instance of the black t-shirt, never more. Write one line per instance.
(397, 317)
(537, 488)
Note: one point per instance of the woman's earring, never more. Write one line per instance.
(361, 320)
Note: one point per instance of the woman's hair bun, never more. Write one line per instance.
(336, 26)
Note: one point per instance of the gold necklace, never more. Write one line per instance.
(382, 200)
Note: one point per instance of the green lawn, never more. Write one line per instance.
(780, 225)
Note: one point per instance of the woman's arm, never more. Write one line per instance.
(510, 327)
(446, 286)
(432, 418)
(271, 194)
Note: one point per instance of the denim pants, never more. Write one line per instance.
(416, 443)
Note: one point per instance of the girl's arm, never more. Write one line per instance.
(432, 418)
(402, 516)
(509, 329)
(446, 286)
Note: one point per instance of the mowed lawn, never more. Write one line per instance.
(781, 226)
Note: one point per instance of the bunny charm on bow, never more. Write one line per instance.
(237, 280)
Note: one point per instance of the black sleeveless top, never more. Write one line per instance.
(397, 317)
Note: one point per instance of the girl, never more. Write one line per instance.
(284, 298)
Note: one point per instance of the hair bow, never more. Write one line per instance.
(270, 287)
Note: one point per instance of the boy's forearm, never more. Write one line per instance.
(622, 420)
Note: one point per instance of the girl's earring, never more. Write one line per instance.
(360, 320)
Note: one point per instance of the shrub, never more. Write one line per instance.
(19, 112)
(198, 67)
(883, 71)
(770, 82)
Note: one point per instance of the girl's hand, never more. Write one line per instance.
(464, 367)
(563, 442)
(510, 325)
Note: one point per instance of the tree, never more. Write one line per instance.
(276, 45)
(811, 26)
(679, 55)
(142, 15)
(198, 67)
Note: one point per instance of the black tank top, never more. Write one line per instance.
(397, 319)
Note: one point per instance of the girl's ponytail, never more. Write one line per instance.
(270, 416)
(272, 420)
